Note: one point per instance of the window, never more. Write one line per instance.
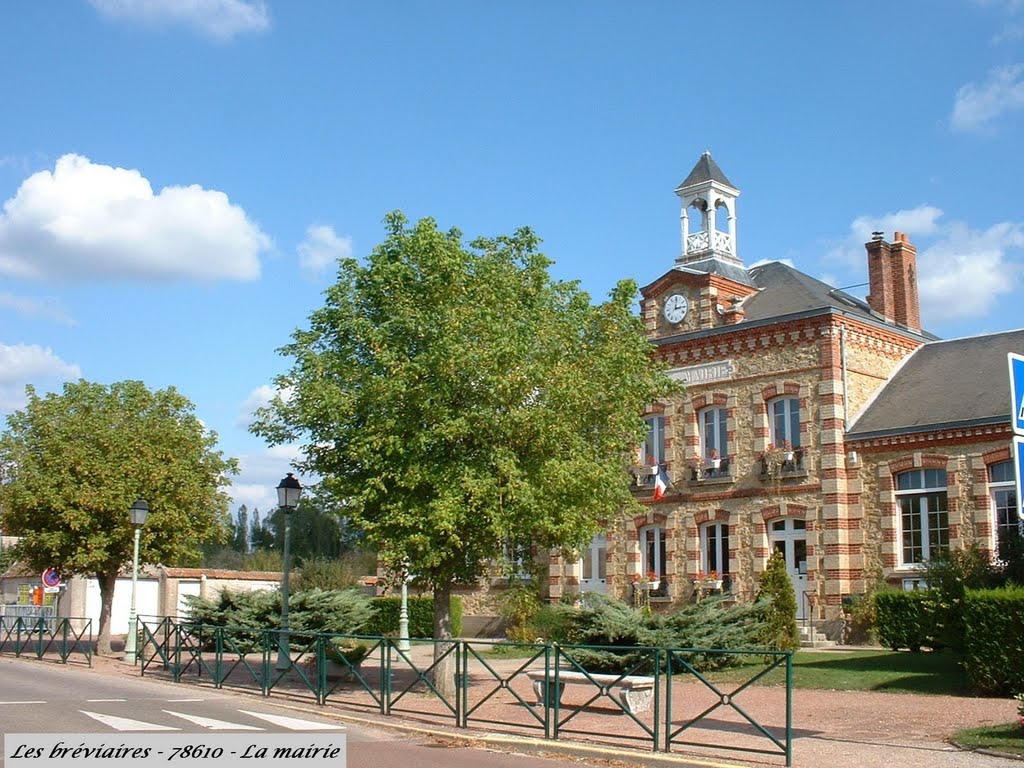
(924, 519)
(517, 560)
(713, 433)
(714, 548)
(653, 448)
(652, 550)
(784, 415)
(1008, 528)
(594, 564)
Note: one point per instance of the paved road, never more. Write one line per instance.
(38, 697)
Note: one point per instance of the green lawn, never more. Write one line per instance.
(896, 671)
(999, 738)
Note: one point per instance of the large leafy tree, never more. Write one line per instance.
(73, 463)
(457, 398)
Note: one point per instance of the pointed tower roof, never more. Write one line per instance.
(704, 171)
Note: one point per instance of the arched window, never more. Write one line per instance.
(653, 550)
(924, 519)
(784, 421)
(653, 447)
(714, 548)
(713, 431)
(1007, 527)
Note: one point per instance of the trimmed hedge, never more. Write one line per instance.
(421, 616)
(994, 646)
(906, 619)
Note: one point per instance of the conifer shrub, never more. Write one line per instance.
(778, 630)
(250, 613)
(621, 636)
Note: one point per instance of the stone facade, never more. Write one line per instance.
(748, 339)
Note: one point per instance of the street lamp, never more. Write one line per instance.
(138, 513)
(403, 613)
(288, 493)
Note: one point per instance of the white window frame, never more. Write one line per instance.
(712, 534)
(653, 446)
(916, 496)
(652, 541)
(788, 408)
(517, 560)
(717, 436)
(597, 552)
(1005, 486)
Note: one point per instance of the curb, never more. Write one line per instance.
(531, 746)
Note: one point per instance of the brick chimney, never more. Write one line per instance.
(892, 280)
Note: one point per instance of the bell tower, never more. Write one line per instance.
(711, 195)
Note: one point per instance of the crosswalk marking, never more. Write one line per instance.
(212, 723)
(294, 723)
(126, 724)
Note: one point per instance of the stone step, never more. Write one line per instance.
(809, 639)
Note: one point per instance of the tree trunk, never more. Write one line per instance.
(107, 582)
(444, 670)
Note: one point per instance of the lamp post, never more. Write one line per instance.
(288, 493)
(403, 613)
(138, 513)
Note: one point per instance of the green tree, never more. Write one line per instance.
(74, 462)
(780, 631)
(455, 397)
(240, 531)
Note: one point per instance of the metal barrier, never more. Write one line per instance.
(43, 636)
(523, 688)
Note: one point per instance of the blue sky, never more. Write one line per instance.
(177, 178)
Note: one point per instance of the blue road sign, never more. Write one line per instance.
(1018, 463)
(1016, 363)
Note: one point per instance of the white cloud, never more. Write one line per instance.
(220, 19)
(259, 474)
(953, 259)
(86, 220)
(322, 248)
(961, 274)
(258, 398)
(979, 106)
(47, 310)
(922, 221)
(23, 364)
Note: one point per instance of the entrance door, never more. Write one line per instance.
(789, 536)
(593, 566)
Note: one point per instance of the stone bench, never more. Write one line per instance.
(635, 692)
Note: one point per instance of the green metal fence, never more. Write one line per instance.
(657, 698)
(47, 636)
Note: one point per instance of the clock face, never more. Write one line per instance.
(676, 307)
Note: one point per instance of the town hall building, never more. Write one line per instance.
(832, 429)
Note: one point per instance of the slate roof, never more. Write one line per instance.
(944, 384)
(785, 293)
(717, 266)
(706, 169)
(785, 290)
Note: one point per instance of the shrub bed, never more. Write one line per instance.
(421, 616)
(906, 620)
(994, 645)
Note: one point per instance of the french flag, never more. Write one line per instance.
(660, 481)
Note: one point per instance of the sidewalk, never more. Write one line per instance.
(838, 729)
